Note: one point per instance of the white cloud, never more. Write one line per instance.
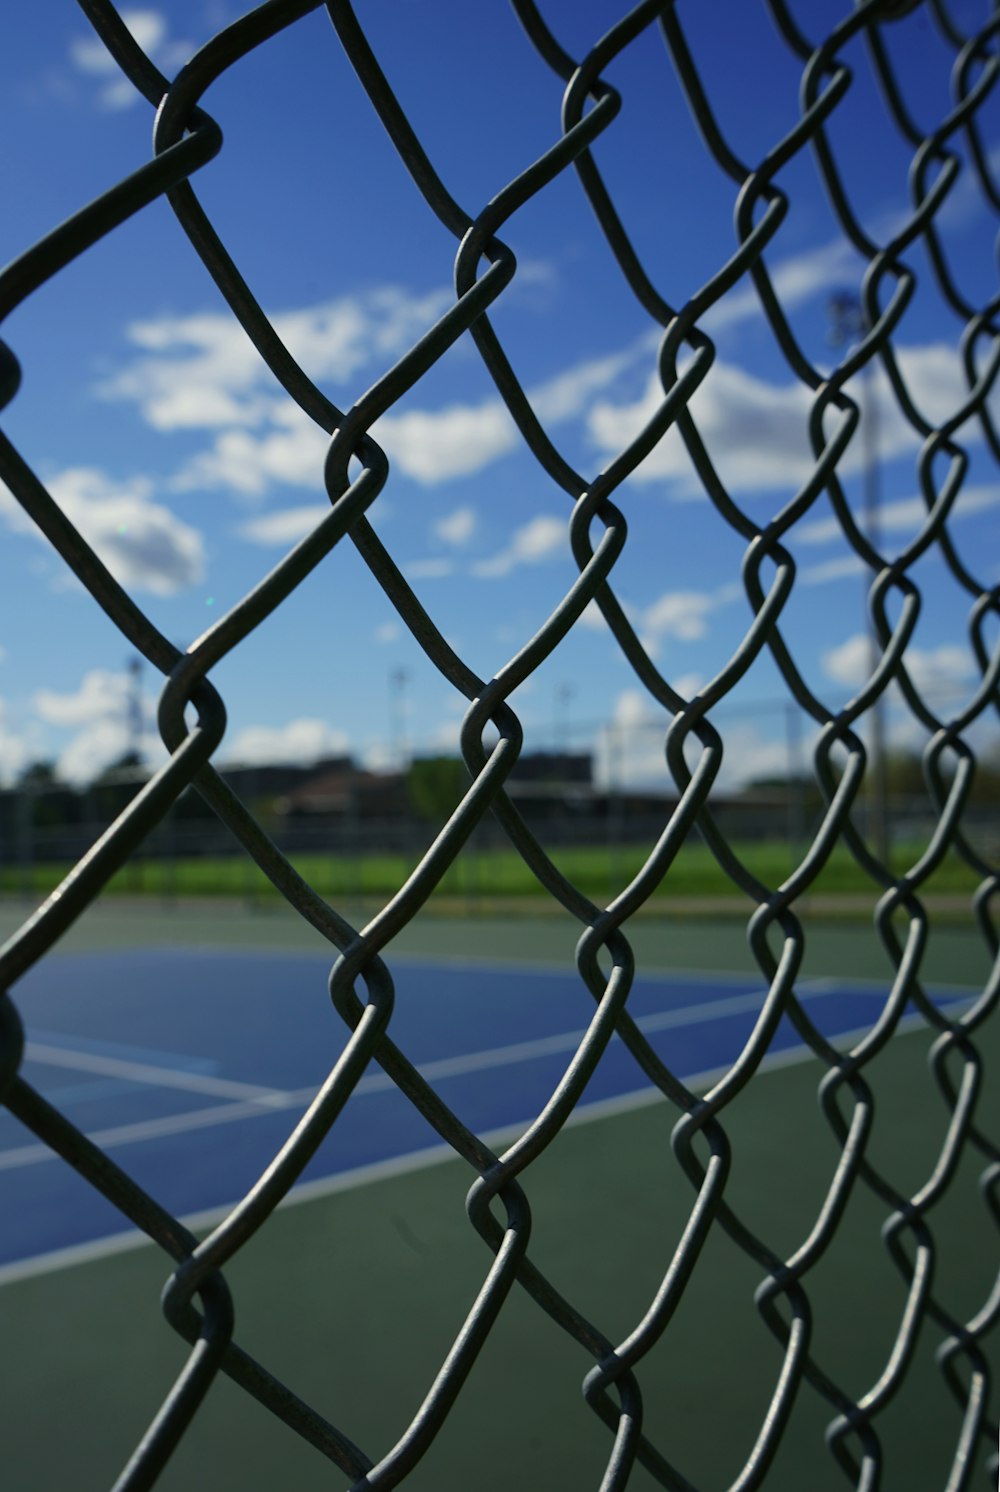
(966, 200)
(286, 526)
(755, 431)
(800, 277)
(796, 279)
(934, 671)
(826, 530)
(433, 446)
(933, 372)
(850, 662)
(566, 395)
(688, 684)
(938, 670)
(631, 749)
(99, 712)
(429, 569)
(436, 445)
(203, 371)
(89, 55)
(904, 514)
(934, 376)
(303, 740)
(387, 632)
(97, 745)
(935, 380)
(250, 465)
(378, 757)
(16, 749)
(456, 528)
(679, 614)
(144, 545)
(101, 696)
(536, 272)
(847, 565)
(334, 339)
(592, 617)
(428, 446)
(540, 539)
(748, 755)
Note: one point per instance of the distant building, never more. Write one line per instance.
(554, 785)
(342, 790)
(554, 767)
(273, 778)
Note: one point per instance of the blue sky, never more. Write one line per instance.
(148, 414)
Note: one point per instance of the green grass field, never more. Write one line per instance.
(599, 871)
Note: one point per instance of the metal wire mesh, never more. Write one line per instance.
(196, 1301)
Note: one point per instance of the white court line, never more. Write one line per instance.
(568, 1041)
(272, 1100)
(154, 1129)
(419, 1160)
(148, 1072)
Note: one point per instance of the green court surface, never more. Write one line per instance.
(699, 936)
(354, 1297)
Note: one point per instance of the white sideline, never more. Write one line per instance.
(147, 1072)
(269, 1100)
(308, 1191)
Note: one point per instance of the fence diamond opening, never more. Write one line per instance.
(956, 155)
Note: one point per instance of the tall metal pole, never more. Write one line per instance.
(796, 779)
(134, 666)
(398, 680)
(134, 870)
(848, 320)
(561, 735)
(878, 791)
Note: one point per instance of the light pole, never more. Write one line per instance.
(134, 667)
(848, 322)
(563, 697)
(399, 678)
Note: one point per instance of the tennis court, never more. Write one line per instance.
(216, 1039)
(190, 1060)
(521, 512)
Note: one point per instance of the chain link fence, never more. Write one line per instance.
(196, 1300)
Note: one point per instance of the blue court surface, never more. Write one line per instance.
(190, 1067)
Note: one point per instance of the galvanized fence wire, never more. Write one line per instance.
(196, 1300)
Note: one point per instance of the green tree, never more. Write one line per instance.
(436, 785)
(50, 801)
(40, 774)
(129, 761)
(904, 774)
(116, 785)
